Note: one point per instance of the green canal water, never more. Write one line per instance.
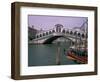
(46, 54)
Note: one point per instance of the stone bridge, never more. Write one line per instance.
(47, 37)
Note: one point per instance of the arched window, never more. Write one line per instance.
(37, 36)
(83, 36)
(79, 34)
(58, 27)
(49, 32)
(67, 32)
(63, 31)
(75, 33)
(71, 32)
(43, 34)
(46, 33)
(53, 31)
(40, 35)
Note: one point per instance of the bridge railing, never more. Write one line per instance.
(65, 32)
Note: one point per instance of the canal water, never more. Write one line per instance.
(46, 54)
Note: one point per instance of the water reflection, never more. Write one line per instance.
(48, 54)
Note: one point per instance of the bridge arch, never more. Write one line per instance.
(51, 39)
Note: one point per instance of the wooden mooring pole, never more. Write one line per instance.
(58, 56)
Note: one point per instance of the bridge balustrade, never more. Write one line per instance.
(65, 32)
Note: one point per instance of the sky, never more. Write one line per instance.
(48, 22)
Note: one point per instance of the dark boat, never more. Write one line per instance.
(78, 55)
(78, 52)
